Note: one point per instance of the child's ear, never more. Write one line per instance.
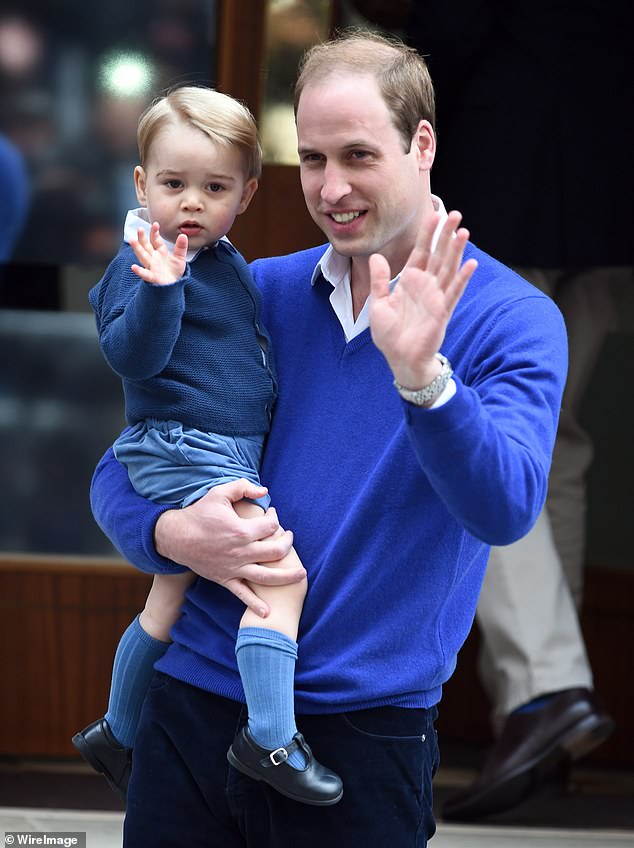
(249, 190)
(139, 185)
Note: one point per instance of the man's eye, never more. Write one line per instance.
(359, 154)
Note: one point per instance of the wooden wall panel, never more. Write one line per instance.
(60, 625)
(61, 622)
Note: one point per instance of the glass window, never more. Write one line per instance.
(74, 77)
(291, 27)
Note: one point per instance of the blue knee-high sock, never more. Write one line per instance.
(266, 661)
(131, 674)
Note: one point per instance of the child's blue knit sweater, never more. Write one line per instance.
(194, 351)
(393, 507)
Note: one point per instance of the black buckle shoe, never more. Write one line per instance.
(314, 784)
(98, 746)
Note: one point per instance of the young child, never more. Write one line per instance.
(182, 327)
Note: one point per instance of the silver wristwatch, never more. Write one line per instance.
(428, 394)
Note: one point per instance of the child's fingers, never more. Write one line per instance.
(180, 247)
(155, 236)
(140, 252)
(143, 273)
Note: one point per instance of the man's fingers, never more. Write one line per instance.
(237, 490)
(443, 249)
(454, 292)
(379, 276)
(420, 255)
(271, 548)
(248, 597)
(452, 259)
(262, 575)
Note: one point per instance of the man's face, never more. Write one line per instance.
(361, 187)
(191, 185)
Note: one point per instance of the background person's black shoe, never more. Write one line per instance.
(531, 747)
(100, 749)
(312, 785)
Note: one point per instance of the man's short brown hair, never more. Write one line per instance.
(400, 71)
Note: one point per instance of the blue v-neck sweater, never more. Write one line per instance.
(393, 507)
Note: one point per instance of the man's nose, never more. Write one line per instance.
(335, 185)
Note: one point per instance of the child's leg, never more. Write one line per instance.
(266, 651)
(142, 644)
(285, 602)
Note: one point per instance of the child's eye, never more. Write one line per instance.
(215, 187)
(173, 183)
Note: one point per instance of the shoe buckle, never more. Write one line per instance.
(280, 753)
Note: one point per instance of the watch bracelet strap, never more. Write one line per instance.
(428, 394)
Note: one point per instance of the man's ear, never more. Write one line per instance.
(139, 185)
(249, 190)
(424, 142)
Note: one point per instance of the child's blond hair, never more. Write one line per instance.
(222, 118)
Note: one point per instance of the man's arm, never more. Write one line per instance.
(207, 537)
(487, 451)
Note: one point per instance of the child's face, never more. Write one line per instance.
(191, 185)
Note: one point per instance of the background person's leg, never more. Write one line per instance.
(531, 642)
(589, 301)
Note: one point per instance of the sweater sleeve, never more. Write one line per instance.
(138, 323)
(126, 518)
(487, 451)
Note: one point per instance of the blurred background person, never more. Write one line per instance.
(14, 197)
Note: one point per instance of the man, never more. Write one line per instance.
(395, 476)
(497, 66)
(493, 65)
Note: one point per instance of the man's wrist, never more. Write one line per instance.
(414, 379)
(430, 390)
(163, 534)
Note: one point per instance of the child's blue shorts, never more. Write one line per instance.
(170, 463)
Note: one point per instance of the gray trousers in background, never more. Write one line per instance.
(531, 642)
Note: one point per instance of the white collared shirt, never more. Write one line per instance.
(335, 269)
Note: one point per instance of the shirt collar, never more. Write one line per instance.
(138, 219)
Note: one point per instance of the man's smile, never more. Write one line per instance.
(345, 217)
